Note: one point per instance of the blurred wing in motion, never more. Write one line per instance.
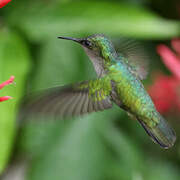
(72, 100)
(134, 54)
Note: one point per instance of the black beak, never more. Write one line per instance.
(78, 40)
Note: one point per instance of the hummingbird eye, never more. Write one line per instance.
(86, 43)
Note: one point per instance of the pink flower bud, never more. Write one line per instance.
(9, 81)
(165, 91)
(4, 2)
(4, 98)
(170, 59)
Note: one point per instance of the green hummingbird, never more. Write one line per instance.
(118, 81)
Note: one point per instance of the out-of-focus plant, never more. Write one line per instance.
(99, 146)
(9, 81)
(165, 90)
(87, 17)
(14, 59)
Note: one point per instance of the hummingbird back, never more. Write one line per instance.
(134, 99)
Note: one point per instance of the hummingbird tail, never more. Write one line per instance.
(161, 134)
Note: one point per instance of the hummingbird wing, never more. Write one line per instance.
(135, 55)
(72, 100)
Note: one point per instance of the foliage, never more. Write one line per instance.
(14, 59)
(105, 145)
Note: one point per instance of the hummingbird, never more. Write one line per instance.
(118, 81)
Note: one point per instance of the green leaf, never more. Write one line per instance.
(76, 153)
(160, 169)
(129, 158)
(14, 60)
(83, 148)
(89, 17)
(58, 63)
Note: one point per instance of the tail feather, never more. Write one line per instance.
(161, 134)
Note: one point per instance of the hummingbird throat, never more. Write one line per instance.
(97, 61)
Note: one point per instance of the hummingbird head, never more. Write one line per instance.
(96, 45)
(99, 49)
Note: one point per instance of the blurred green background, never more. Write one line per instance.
(101, 146)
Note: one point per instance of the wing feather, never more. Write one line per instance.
(72, 100)
(135, 55)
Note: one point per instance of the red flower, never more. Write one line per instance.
(4, 98)
(4, 2)
(165, 91)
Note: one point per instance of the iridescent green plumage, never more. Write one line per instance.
(118, 81)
